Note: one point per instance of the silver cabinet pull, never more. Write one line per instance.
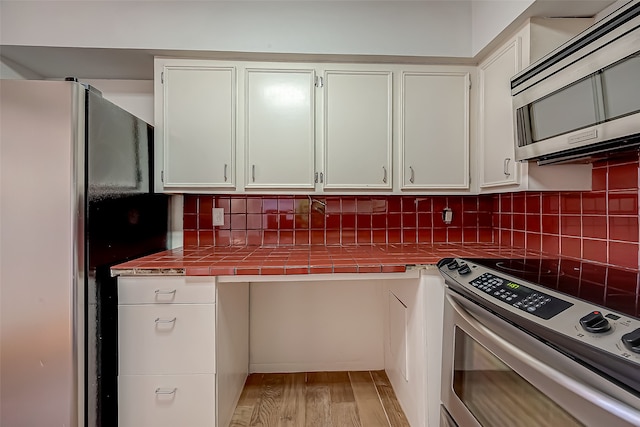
(315, 177)
(225, 172)
(165, 295)
(253, 173)
(165, 321)
(506, 166)
(412, 176)
(166, 390)
(384, 177)
(321, 177)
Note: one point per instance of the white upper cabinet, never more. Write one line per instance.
(496, 135)
(279, 128)
(434, 130)
(497, 168)
(195, 125)
(358, 115)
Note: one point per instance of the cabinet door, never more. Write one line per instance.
(280, 133)
(496, 133)
(435, 130)
(166, 400)
(166, 339)
(357, 129)
(199, 126)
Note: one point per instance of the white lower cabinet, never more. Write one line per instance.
(168, 370)
(413, 344)
(185, 363)
(171, 338)
(167, 400)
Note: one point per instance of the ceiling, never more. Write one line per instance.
(137, 64)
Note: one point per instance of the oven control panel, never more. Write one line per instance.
(519, 296)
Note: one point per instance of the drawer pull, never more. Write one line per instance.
(165, 292)
(159, 320)
(160, 391)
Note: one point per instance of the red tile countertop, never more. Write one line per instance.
(287, 260)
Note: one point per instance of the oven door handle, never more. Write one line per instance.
(589, 394)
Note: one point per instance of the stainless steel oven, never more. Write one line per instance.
(518, 354)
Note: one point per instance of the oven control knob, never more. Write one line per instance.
(453, 265)
(464, 270)
(595, 322)
(632, 340)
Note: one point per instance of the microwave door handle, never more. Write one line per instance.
(591, 395)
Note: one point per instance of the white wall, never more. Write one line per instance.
(11, 70)
(135, 96)
(424, 28)
(308, 326)
(489, 18)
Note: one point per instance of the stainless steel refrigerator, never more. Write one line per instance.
(76, 196)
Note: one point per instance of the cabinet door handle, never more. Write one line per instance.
(165, 321)
(225, 172)
(321, 177)
(171, 292)
(506, 166)
(253, 173)
(384, 177)
(412, 177)
(166, 390)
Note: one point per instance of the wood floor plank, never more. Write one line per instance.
(389, 401)
(317, 410)
(369, 406)
(344, 410)
(293, 408)
(267, 411)
(340, 387)
(247, 402)
(345, 414)
(319, 399)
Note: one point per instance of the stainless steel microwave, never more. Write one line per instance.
(582, 100)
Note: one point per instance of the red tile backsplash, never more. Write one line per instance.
(601, 225)
(336, 220)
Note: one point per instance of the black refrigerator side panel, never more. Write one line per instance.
(118, 157)
(119, 230)
(124, 221)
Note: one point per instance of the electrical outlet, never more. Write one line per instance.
(218, 216)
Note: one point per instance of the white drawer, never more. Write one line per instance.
(166, 289)
(166, 401)
(166, 339)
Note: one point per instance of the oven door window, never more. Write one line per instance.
(496, 395)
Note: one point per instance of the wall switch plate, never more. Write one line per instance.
(218, 216)
(447, 215)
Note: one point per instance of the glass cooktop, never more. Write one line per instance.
(608, 287)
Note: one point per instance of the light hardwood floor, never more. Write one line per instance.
(319, 399)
